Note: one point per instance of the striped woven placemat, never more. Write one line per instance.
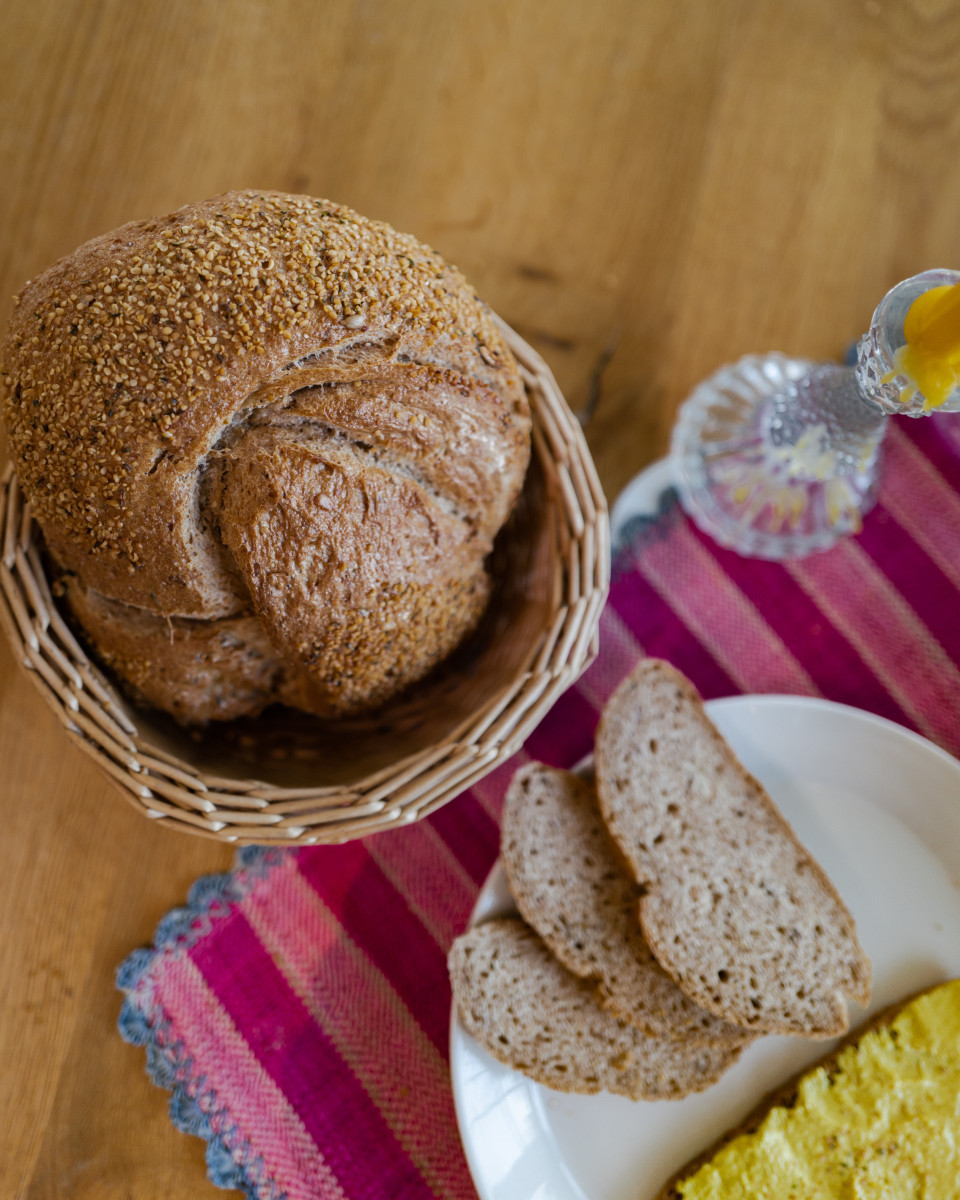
(298, 1007)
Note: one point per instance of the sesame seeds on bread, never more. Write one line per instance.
(734, 908)
(533, 1015)
(273, 359)
(571, 888)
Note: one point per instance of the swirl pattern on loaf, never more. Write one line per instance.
(270, 443)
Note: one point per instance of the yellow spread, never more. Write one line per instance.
(883, 1122)
(931, 357)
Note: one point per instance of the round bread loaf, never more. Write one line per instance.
(269, 442)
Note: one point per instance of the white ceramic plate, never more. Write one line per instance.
(879, 808)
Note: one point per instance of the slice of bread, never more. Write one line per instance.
(570, 887)
(877, 1116)
(733, 907)
(530, 1013)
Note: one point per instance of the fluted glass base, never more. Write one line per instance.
(777, 457)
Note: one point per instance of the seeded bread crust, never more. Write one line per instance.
(785, 1096)
(573, 891)
(533, 1015)
(733, 907)
(196, 670)
(192, 400)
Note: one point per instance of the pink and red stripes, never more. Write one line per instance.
(230, 1067)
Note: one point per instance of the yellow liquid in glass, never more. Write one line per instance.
(931, 357)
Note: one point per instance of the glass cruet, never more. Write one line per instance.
(778, 457)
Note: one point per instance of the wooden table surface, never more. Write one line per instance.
(644, 188)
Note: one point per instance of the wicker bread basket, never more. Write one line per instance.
(291, 779)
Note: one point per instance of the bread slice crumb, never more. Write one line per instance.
(571, 888)
(530, 1013)
(733, 906)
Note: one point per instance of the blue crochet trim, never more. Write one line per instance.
(232, 1161)
(637, 527)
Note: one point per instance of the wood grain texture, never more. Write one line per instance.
(644, 190)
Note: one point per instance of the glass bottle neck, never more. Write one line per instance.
(822, 426)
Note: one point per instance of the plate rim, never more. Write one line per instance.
(851, 710)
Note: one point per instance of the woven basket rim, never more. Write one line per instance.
(170, 789)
